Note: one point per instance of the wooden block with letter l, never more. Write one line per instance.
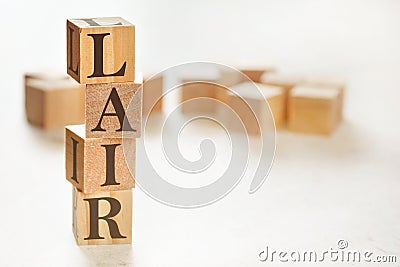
(313, 110)
(101, 50)
(114, 110)
(249, 102)
(54, 103)
(152, 93)
(102, 218)
(99, 164)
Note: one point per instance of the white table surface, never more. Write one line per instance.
(320, 189)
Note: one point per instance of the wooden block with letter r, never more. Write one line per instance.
(101, 50)
(114, 110)
(102, 218)
(99, 164)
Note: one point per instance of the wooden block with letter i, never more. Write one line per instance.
(101, 50)
(114, 110)
(102, 218)
(99, 164)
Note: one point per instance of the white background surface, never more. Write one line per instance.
(320, 189)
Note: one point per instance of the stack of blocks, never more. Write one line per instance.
(99, 164)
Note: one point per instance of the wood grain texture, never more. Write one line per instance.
(98, 102)
(250, 106)
(54, 103)
(192, 90)
(118, 48)
(91, 169)
(284, 80)
(81, 217)
(323, 82)
(227, 78)
(152, 92)
(313, 112)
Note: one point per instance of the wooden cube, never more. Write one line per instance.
(285, 81)
(45, 75)
(152, 93)
(101, 50)
(98, 164)
(102, 218)
(191, 89)
(313, 110)
(248, 97)
(107, 114)
(227, 78)
(54, 103)
(323, 82)
(255, 74)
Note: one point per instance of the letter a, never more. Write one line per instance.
(119, 112)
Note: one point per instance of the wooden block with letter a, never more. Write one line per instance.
(250, 104)
(101, 50)
(152, 93)
(54, 103)
(313, 110)
(102, 218)
(99, 164)
(114, 110)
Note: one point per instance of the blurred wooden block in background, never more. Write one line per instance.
(101, 50)
(46, 75)
(313, 110)
(191, 89)
(228, 77)
(98, 164)
(324, 82)
(284, 80)
(249, 97)
(114, 110)
(255, 74)
(53, 102)
(102, 218)
(152, 93)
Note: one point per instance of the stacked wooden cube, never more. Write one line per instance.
(99, 164)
